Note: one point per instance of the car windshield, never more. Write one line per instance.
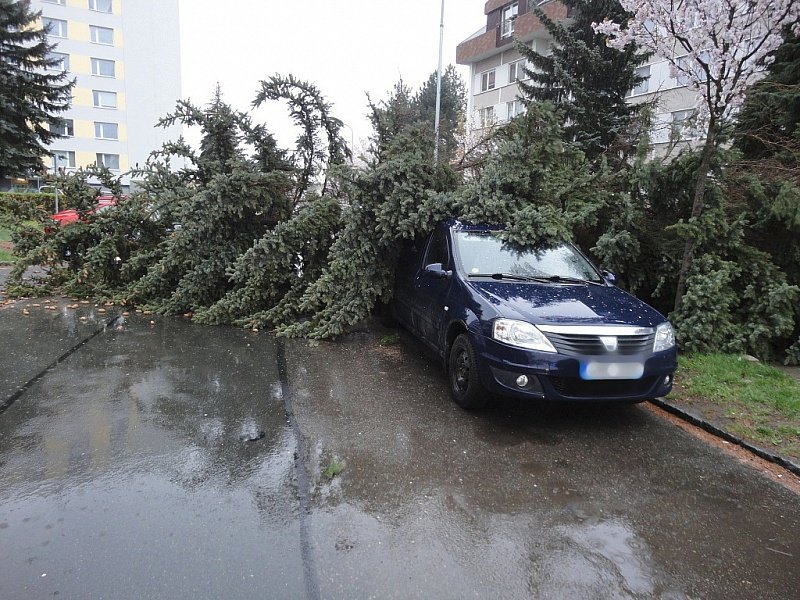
(485, 253)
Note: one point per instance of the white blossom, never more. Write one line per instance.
(719, 47)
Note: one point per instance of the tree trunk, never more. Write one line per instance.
(697, 209)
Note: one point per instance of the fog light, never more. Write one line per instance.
(522, 380)
(667, 379)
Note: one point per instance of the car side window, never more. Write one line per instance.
(438, 251)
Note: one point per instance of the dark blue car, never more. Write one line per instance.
(539, 323)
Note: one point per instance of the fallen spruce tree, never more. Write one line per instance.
(306, 243)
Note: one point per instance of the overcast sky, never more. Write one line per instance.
(345, 47)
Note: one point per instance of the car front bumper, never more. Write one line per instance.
(524, 373)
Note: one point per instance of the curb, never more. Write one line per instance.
(727, 436)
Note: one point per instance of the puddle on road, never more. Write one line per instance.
(134, 444)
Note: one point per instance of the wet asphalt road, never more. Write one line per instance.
(170, 460)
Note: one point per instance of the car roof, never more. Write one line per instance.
(462, 225)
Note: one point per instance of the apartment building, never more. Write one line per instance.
(496, 67)
(125, 58)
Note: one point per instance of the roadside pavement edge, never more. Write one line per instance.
(697, 421)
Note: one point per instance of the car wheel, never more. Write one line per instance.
(462, 370)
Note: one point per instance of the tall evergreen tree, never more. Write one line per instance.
(454, 99)
(587, 80)
(767, 178)
(30, 96)
(768, 124)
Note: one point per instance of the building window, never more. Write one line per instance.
(509, 16)
(100, 5)
(102, 35)
(516, 71)
(63, 158)
(65, 128)
(109, 161)
(684, 68)
(61, 2)
(55, 27)
(487, 80)
(486, 117)
(104, 99)
(58, 62)
(644, 85)
(102, 67)
(682, 125)
(514, 108)
(106, 131)
(681, 66)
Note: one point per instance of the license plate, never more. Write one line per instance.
(611, 370)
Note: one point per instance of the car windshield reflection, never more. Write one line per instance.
(485, 253)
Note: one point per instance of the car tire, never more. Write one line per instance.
(462, 372)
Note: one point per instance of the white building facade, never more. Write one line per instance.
(125, 58)
(496, 67)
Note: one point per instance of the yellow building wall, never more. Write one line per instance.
(79, 64)
(84, 129)
(78, 31)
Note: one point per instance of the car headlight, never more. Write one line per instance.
(521, 334)
(665, 338)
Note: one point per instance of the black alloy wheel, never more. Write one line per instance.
(462, 370)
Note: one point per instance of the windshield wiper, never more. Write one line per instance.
(502, 276)
(544, 279)
(560, 279)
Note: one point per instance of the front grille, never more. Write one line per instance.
(570, 344)
(615, 388)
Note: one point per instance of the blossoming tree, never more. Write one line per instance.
(719, 48)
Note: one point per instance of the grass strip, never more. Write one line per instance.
(753, 400)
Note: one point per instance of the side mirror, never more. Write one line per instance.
(436, 271)
(610, 278)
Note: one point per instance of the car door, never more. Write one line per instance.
(408, 268)
(431, 292)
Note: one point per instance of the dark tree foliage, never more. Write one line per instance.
(451, 117)
(585, 83)
(399, 196)
(309, 111)
(30, 96)
(587, 80)
(233, 204)
(79, 256)
(407, 119)
(540, 186)
(768, 124)
(765, 180)
(247, 234)
(736, 299)
(271, 277)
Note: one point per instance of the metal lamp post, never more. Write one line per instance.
(439, 90)
(56, 158)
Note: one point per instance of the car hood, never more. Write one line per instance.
(566, 304)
